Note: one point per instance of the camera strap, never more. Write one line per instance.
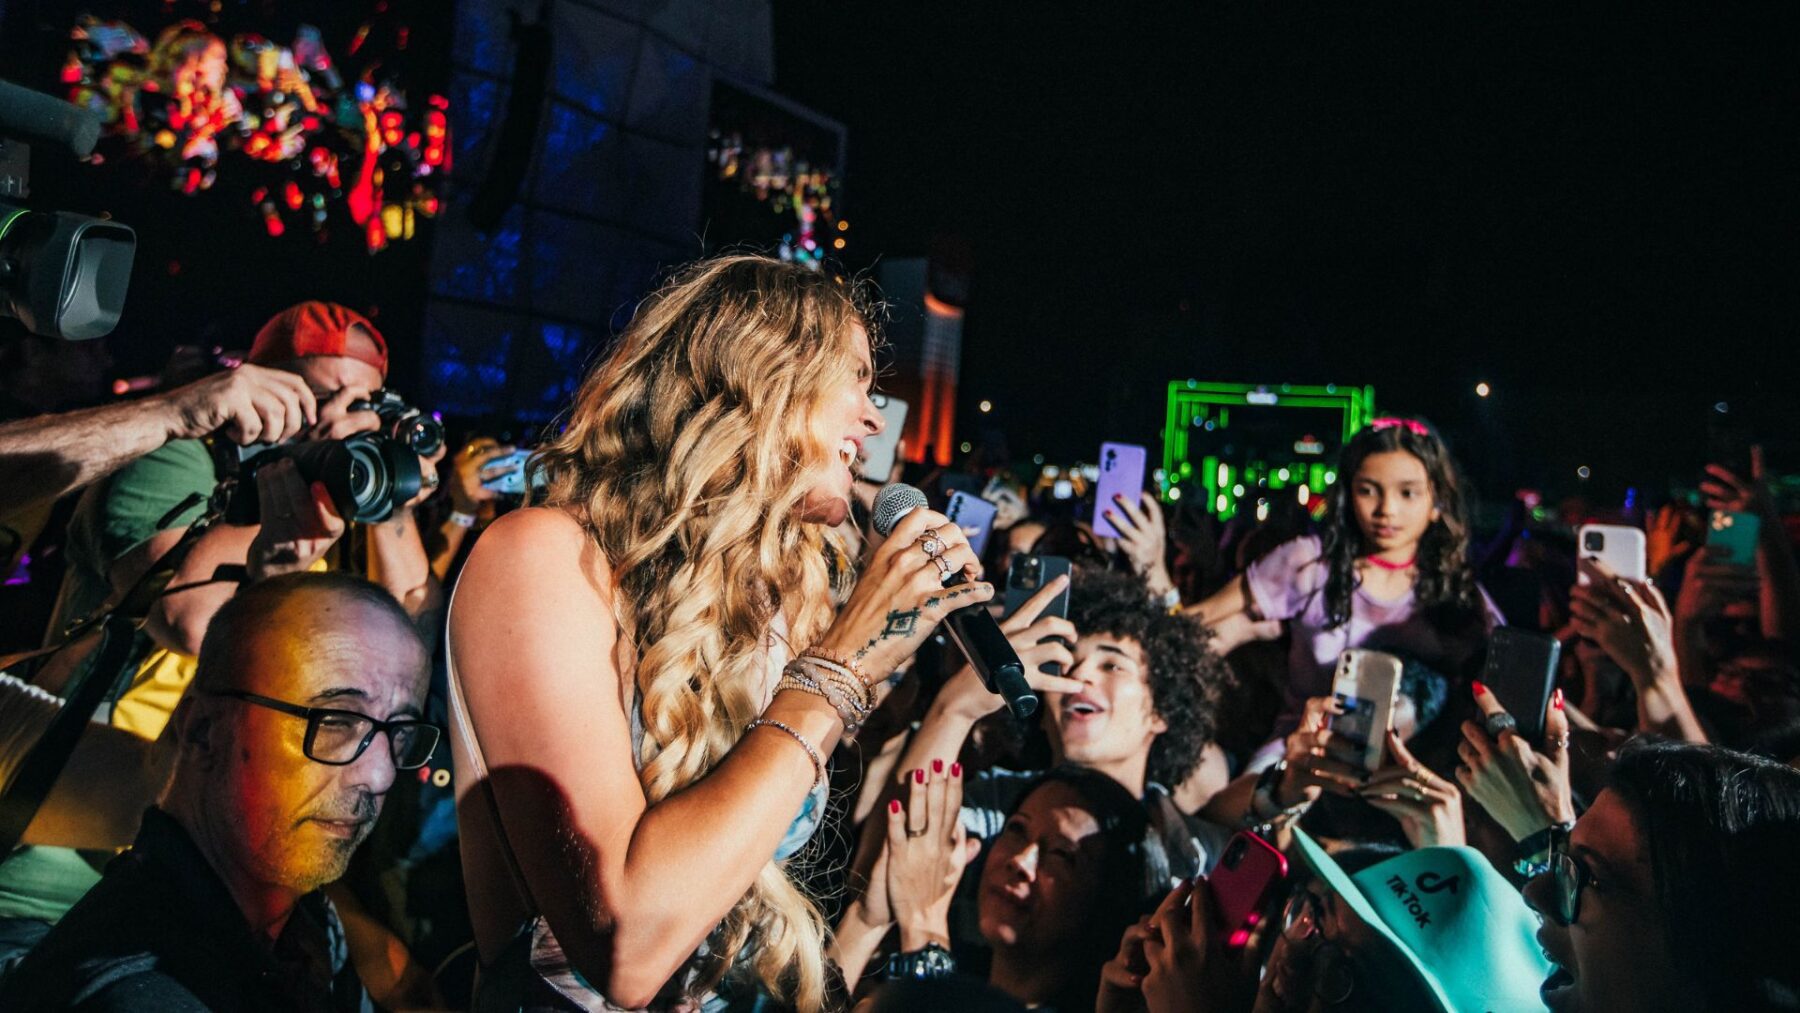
(116, 625)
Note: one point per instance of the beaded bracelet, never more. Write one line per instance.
(795, 680)
(849, 678)
(849, 709)
(811, 753)
(851, 701)
(847, 664)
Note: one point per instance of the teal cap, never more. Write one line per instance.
(1457, 921)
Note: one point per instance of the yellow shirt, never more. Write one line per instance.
(149, 702)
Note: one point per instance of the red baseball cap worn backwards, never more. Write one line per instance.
(317, 328)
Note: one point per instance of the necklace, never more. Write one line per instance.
(1382, 564)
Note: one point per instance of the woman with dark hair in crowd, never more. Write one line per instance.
(648, 669)
(1678, 889)
(1391, 571)
(1073, 866)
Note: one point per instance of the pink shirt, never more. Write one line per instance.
(1289, 583)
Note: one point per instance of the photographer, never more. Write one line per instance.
(114, 536)
(124, 524)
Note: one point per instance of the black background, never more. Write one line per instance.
(1592, 211)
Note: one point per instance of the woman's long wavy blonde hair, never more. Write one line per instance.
(687, 456)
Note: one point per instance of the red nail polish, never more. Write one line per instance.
(1480, 690)
(1557, 699)
(894, 806)
(956, 770)
(937, 766)
(919, 775)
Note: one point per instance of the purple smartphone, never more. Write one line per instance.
(975, 516)
(1121, 474)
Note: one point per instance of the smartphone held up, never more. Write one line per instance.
(1121, 476)
(1366, 685)
(1620, 547)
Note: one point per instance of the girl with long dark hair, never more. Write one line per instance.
(1389, 572)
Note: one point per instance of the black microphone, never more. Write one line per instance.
(37, 118)
(976, 633)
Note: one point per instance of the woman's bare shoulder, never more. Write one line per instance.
(543, 545)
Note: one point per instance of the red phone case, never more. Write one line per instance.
(1240, 889)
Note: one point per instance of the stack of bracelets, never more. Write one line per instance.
(836, 680)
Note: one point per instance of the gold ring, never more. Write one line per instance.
(917, 833)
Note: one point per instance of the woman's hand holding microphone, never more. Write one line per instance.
(901, 597)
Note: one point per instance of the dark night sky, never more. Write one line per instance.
(1597, 216)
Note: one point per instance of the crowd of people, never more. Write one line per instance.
(677, 729)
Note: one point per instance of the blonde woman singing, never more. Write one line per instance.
(647, 669)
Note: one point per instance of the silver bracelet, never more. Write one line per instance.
(812, 754)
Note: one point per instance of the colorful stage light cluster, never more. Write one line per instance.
(791, 185)
(299, 136)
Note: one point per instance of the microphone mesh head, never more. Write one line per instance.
(894, 502)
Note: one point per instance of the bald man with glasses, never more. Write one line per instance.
(306, 704)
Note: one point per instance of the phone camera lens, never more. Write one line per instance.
(1593, 541)
(1233, 854)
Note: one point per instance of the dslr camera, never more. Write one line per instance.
(368, 475)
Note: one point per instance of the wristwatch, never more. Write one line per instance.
(928, 961)
(1266, 809)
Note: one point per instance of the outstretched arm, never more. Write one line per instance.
(48, 456)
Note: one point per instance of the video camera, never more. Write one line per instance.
(368, 475)
(62, 275)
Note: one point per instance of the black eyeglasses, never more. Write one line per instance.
(1569, 875)
(338, 737)
(1334, 976)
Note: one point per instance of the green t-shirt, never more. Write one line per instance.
(114, 516)
(120, 513)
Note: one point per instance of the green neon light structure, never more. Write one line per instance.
(1195, 401)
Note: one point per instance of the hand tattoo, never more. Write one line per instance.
(900, 624)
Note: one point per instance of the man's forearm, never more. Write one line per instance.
(397, 561)
(48, 456)
(453, 535)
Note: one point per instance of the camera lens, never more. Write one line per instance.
(426, 436)
(1593, 541)
(1234, 854)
